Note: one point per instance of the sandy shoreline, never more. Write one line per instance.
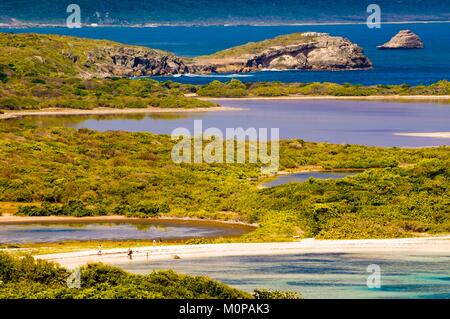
(432, 134)
(108, 111)
(113, 111)
(428, 245)
(18, 220)
(332, 97)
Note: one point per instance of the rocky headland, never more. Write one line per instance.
(298, 51)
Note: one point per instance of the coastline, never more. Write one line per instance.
(429, 245)
(108, 111)
(254, 24)
(7, 114)
(332, 97)
(430, 134)
(9, 219)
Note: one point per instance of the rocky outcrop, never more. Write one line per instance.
(133, 61)
(325, 53)
(322, 52)
(405, 39)
(316, 51)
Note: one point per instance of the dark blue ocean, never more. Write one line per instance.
(413, 67)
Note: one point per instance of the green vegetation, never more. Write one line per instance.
(403, 192)
(39, 71)
(276, 294)
(28, 54)
(253, 48)
(236, 88)
(77, 93)
(44, 92)
(385, 203)
(29, 278)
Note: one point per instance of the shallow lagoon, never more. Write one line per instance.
(304, 176)
(336, 121)
(84, 231)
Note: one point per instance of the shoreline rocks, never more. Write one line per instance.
(405, 39)
(134, 61)
(322, 52)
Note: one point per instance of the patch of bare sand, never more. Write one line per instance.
(109, 111)
(432, 134)
(428, 245)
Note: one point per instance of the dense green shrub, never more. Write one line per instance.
(235, 88)
(3, 75)
(275, 294)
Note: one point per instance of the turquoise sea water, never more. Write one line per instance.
(390, 66)
(332, 275)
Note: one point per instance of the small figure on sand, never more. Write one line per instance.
(99, 251)
(130, 253)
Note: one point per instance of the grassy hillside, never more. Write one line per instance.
(40, 71)
(52, 55)
(253, 48)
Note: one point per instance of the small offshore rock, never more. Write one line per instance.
(405, 39)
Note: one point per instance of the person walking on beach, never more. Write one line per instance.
(130, 253)
(99, 251)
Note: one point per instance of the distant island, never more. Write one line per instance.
(216, 12)
(300, 51)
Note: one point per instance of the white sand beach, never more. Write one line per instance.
(332, 97)
(425, 245)
(432, 134)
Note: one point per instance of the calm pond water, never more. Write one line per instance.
(335, 121)
(301, 177)
(403, 275)
(390, 66)
(45, 233)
